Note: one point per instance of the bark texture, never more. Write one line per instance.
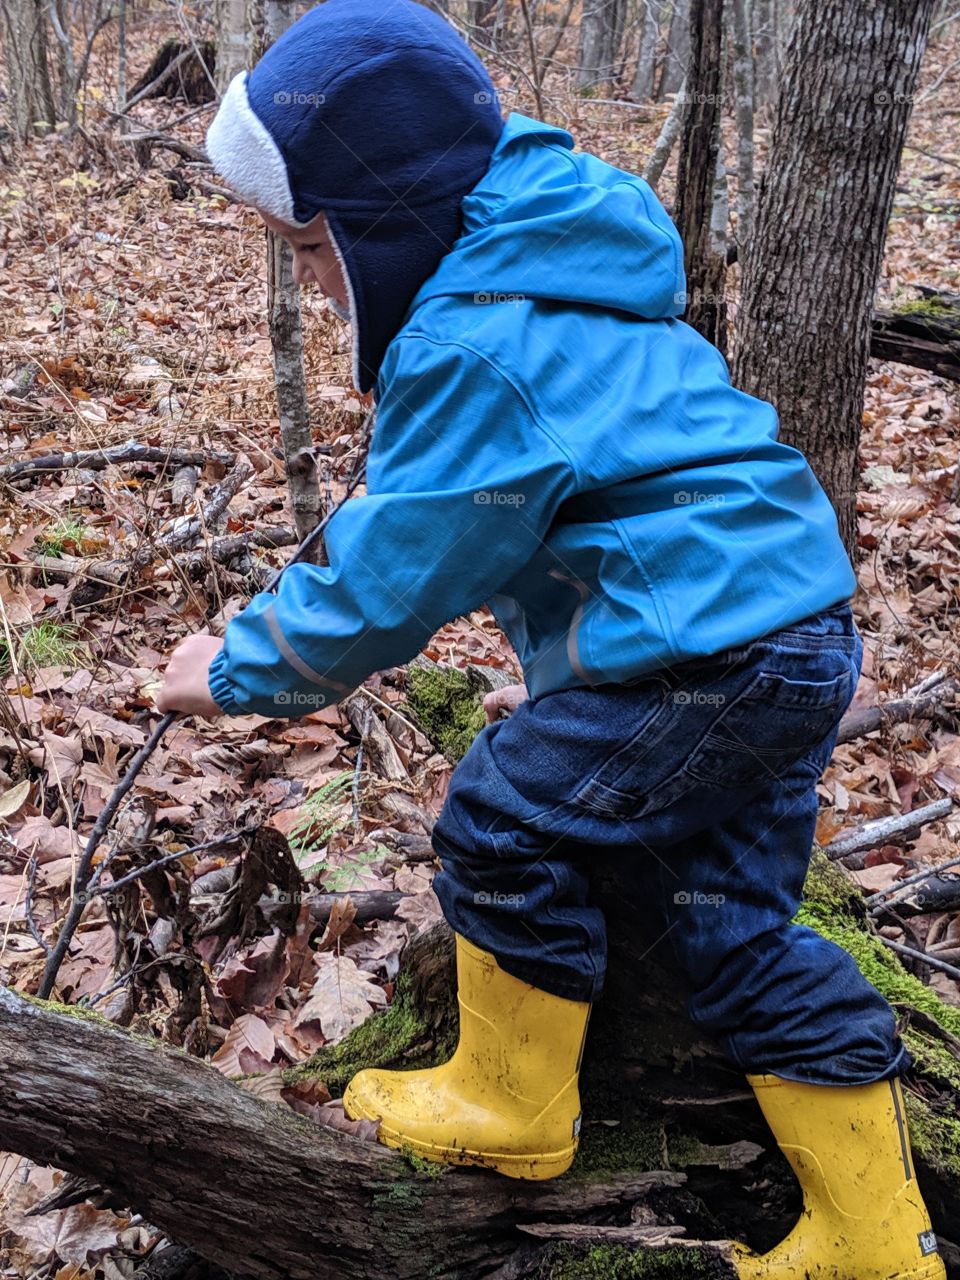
(673, 1141)
(811, 271)
(697, 174)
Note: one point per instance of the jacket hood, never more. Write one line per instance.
(379, 116)
(545, 222)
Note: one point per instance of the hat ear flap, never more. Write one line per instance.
(350, 315)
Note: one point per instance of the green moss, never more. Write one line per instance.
(615, 1262)
(401, 1197)
(447, 706)
(934, 306)
(635, 1143)
(70, 1011)
(935, 1136)
(833, 907)
(429, 1168)
(401, 1034)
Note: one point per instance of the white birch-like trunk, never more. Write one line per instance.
(234, 40)
(678, 50)
(643, 80)
(743, 111)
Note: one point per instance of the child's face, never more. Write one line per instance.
(314, 258)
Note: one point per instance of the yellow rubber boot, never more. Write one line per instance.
(863, 1217)
(507, 1099)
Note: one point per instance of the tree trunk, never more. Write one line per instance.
(286, 338)
(675, 64)
(811, 270)
(643, 78)
(28, 76)
(599, 31)
(697, 174)
(669, 1125)
(234, 40)
(743, 84)
(765, 51)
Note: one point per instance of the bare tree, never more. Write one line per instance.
(678, 50)
(286, 336)
(26, 56)
(643, 80)
(764, 33)
(234, 40)
(601, 27)
(811, 270)
(697, 176)
(743, 108)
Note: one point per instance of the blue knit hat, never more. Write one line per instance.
(376, 113)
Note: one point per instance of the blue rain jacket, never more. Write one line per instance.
(553, 440)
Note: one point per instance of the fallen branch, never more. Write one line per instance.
(82, 876)
(896, 830)
(926, 335)
(103, 574)
(249, 1184)
(950, 970)
(112, 573)
(98, 459)
(882, 896)
(932, 692)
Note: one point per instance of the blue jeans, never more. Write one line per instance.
(702, 777)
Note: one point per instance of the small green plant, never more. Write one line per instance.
(65, 534)
(48, 644)
(321, 817)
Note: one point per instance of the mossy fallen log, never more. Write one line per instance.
(924, 333)
(671, 1133)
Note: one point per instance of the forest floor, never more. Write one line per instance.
(132, 308)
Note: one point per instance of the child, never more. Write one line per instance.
(551, 439)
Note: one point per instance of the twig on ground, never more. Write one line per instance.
(950, 970)
(98, 459)
(919, 701)
(38, 937)
(895, 830)
(881, 896)
(82, 875)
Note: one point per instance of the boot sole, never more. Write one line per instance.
(531, 1168)
(932, 1270)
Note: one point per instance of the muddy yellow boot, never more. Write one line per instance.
(863, 1216)
(508, 1097)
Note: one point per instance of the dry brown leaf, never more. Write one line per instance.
(248, 1040)
(342, 997)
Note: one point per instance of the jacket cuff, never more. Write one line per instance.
(221, 689)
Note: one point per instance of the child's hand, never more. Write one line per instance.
(185, 682)
(507, 699)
